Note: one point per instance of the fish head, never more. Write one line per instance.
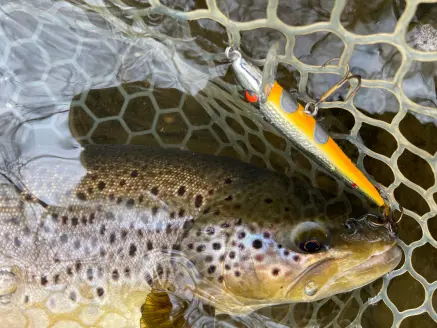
(267, 263)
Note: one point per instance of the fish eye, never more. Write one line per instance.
(310, 237)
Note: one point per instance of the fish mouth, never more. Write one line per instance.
(390, 259)
(369, 270)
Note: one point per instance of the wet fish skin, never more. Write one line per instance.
(138, 217)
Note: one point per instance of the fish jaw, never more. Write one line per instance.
(341, 274)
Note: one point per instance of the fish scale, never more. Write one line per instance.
(131, 218)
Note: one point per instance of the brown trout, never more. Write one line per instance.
(86, 241)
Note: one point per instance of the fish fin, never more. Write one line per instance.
(158, 311)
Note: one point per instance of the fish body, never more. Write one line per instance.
(83, 240)
(288, 116)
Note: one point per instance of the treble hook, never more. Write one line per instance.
(340, 83)
(334, 88)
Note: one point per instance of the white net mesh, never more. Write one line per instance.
(387, 128)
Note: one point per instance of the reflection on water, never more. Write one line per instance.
(144, 79)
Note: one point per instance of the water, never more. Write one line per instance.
(158, 91)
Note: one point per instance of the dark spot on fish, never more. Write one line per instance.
(155, 210)
(159, 270)
(217, 212)
(259, 257)
(102, 229)
(286, 252)
(210, 230)
(149, 279)
(74, 221)
(154, 191)
(140, 233)
(206, 210)
(130, 202)
(229, 198)
(257, 244)
(64, 220)
(122, 183)
(216, 246)
(89, 274)
(81, 195)
(232, 254)
(188, 224)
(198, 200)
(241, 235)
(266, 235)
(172, 215)
(69, 271)
(78, 266)
(44, 280)
(228, 181)
(190, 246)
(26, 231)
(176, 247)
(124, 234)
(237, 273)
(296, 258)
(28, 197)
(227, 267)
(102, 253)
(279, 246)
(119, 200)
(198, 232)
(112, 238)
(181, 212)
(100, 292)
(237, 206)
(63, 238)
(101, 185)
(132, 250)
(275, 272)
(56, 278)
(221, 258)
(149, 245)
(220, 279)
(239, 222)
(208, 258)
(90, 190)
(76, 244)
(17, 242)
(73, 296)
(211, 269)
(181, 190)
(241, 246)
(210, 192)
(134, 174)
(83, 220)
(268, 200)
(115, 275)
(287, 209)
(111, 197)
(94, 176)
(140, 199)
(26, 299)
(200, 248)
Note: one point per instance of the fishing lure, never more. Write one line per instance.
(297, 123)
